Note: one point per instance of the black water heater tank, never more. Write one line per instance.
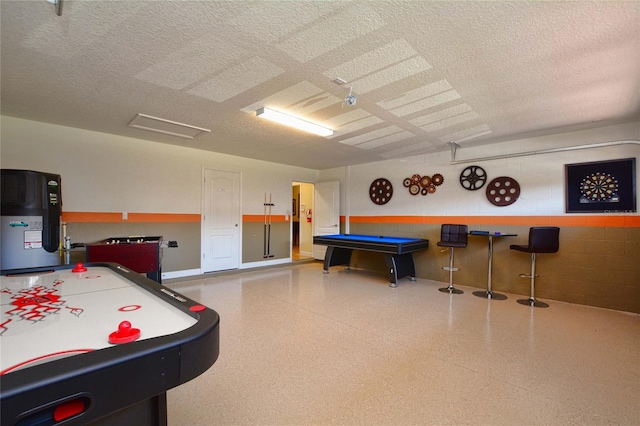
(31, 209)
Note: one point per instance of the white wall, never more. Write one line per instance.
(109, 173)
(541, 177)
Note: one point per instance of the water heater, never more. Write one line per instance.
(30, 219)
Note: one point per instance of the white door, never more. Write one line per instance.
(326, 213)
(221, 221)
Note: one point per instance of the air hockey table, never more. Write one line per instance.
(97, 343)
(398, 252)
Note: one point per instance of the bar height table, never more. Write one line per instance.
(489, 293)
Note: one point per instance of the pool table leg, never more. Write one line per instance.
(392, 270)
(336, 256)
(399, 266)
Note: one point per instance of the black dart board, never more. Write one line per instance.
(381, 191)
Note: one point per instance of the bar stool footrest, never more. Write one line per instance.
(528, 276)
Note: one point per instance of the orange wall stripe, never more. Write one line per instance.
(96, 217)
(260, 218)
(163, 217)
(595, 221)
(624, 221)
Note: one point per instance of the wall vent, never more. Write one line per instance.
(166, 127)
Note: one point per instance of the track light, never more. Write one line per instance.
(298, 123)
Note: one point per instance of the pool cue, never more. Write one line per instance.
(264, 236)
(269, 230)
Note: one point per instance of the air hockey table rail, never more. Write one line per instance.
(115, 384)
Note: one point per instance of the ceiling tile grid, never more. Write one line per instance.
(423, 73)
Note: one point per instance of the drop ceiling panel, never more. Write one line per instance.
(284, 99)
(415, 149)
(391, 74)
(349, 116)
(430, 102)
(371, 135)
(466, 134)
(415, 95)
(279, 17)
(372, 61)
(452, 121)
(354, 126)
(385, 140)
(432, 71)
(314, 103)
(192, 63)
(440, 115)
(97, 21)
(331, 33)
(226, 84)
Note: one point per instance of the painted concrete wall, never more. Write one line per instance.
(541, 177)
(104, 173)
(597, 262)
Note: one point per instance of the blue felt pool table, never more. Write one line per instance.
(398, 252)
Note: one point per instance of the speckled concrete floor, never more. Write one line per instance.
(301, 347)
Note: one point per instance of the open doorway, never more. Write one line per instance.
(301, 221)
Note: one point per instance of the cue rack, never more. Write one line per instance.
(267, 227)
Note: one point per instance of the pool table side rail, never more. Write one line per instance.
(380, 247)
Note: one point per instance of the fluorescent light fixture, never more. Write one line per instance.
(298, 123)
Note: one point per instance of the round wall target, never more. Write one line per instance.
(598, 187)
(473, 178)
(381, 191)
(503, 191)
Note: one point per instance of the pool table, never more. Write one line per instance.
(398, 252)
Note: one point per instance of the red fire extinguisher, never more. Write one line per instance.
(309, 216)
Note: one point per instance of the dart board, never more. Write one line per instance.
(381, 191)
(599, 187)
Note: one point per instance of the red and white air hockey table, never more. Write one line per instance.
(96, 343)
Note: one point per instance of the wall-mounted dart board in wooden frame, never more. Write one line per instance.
(601, 186)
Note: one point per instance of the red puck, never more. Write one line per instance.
(124, 334)
(79, 268)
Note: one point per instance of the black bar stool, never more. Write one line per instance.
(542, 239)
(452, 236)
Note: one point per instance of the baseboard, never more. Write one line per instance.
(265, 263)
(180, 274)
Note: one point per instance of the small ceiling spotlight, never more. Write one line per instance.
(350, 99)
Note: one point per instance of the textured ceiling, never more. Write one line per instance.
(424, 73)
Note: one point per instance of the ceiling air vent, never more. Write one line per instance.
(166, 127)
